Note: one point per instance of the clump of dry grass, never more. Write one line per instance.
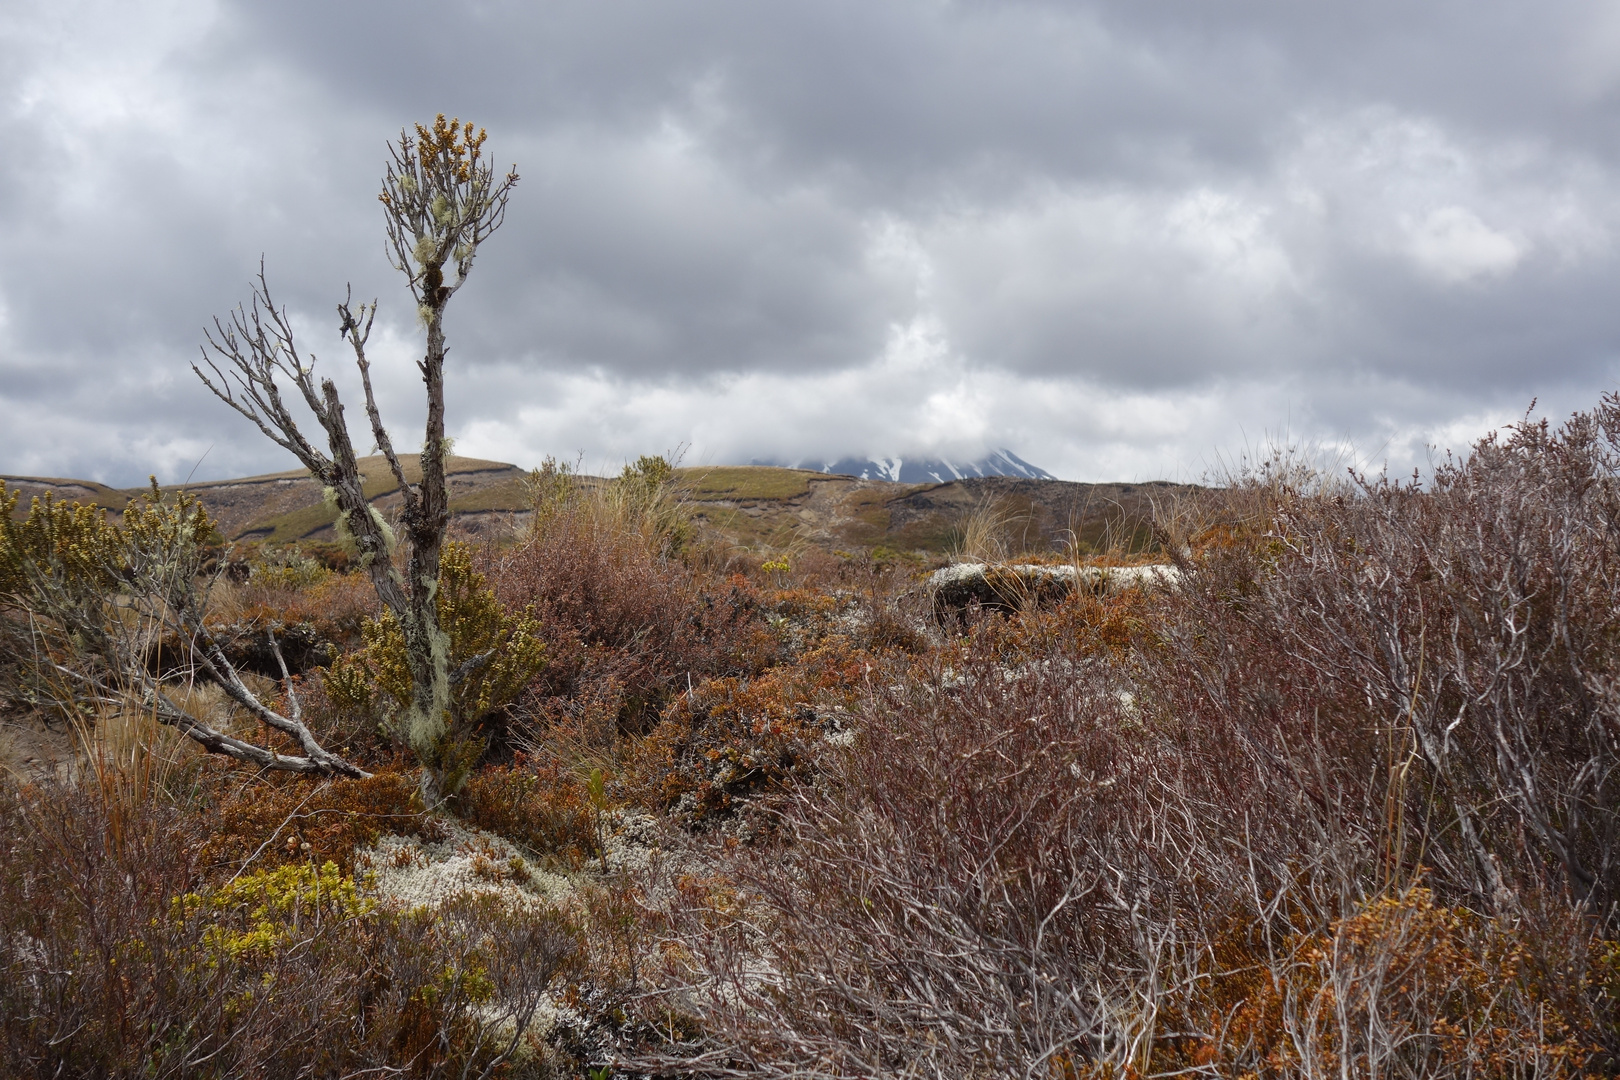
(131, 758)
(982, 534)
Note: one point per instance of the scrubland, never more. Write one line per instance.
(1340, 802)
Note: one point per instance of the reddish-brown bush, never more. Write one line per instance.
(616, 611)
(332, 606)
(1341, 804)
(539, 804)
(733, 740)
(1435, 666)
(937, 903)
(273, 819)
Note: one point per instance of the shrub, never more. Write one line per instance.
(492, 654)
(621, 617)
(1398, 986)
(536, 803)
(731, 741)
(286, 568)
(115, 962)
(1339, 804)
(933, 906)
(1459, 638)
(273, 822)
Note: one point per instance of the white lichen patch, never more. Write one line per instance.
(630, 841)
(408, 872)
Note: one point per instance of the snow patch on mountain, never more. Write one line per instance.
(904, 470)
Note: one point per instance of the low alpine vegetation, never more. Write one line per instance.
(1328, 791)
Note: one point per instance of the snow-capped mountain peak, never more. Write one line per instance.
(905, 470)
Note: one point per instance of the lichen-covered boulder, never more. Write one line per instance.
(1017, 586)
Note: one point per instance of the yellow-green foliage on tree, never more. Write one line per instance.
(102, 602)
(66, 564)
(166, 541)
(493, 654)
(72, 547)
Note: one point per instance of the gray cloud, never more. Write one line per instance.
(1120, 238)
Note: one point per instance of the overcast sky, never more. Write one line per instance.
(1125, 240)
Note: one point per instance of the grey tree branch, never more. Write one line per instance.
(357, 331)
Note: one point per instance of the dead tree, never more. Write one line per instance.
(441, 200)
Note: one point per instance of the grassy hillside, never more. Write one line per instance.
(286, 507)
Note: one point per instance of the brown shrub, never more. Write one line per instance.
(616, 610)
(1016, 871)
(536, 803)
(1398, 986)
(732, 741)
(1435, 666)
(277, 819)
(931, 907)
(1340, 804)
(878, 620)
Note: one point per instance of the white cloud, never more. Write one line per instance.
(1114, 242)
(1455, 246)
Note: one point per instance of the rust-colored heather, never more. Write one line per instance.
(273, 820)
(1399, 986)
(1110, 627)
(933, 906)
(733, 740)
(537, 803)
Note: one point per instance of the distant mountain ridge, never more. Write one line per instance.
(752, 506)
(900, 470)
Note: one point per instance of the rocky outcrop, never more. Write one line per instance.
(1016, 586)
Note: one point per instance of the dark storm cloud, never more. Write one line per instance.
(1117, 237)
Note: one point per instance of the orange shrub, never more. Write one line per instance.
(538, 804)
(732, 740)
(1402, 985)
(280, 818)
